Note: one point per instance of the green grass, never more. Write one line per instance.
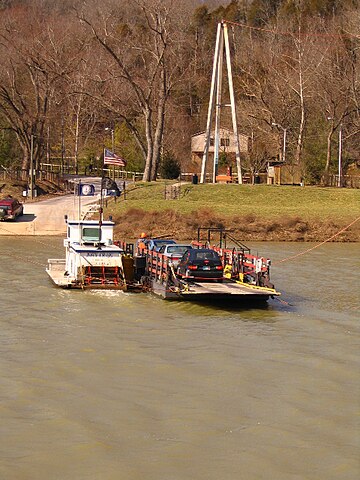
(264, 201)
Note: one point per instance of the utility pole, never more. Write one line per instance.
(111, 129)
(340, 155)
(284, 140)
(32, 183)
(62, 145)
(339, 181)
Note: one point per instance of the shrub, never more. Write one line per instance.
(170, 167)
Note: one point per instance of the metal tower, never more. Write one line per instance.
(221, 47)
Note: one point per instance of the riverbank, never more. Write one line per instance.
(254, 212)
(246, 228)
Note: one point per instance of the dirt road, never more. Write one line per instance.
(46, 217)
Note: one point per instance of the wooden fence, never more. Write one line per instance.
(56, 177)
(39, 175)
(348, 181)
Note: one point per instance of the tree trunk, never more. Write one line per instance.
(328, 157)
(159, 131)
(299, 145)
(150, 145)
(26, 158)
(76, 146)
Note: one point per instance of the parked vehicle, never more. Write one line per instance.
(10, 208)
(202, 264)
(157, 243)
(174, 252)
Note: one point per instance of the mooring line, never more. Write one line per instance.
(27, 260)
(319, 244)
(14, 234)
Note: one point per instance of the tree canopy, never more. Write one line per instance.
(142, 68)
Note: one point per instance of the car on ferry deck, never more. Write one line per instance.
(200, 264)
(174, 252)
(10, 208)
(157, 243)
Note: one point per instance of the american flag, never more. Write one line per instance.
(110, 158)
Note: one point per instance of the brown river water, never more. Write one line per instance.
(117, 386)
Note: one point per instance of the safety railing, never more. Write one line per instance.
(239, 261)
(157, 265)
(103, 275)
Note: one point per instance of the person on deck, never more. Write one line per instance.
(142, 241)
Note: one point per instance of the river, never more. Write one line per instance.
(117, 386)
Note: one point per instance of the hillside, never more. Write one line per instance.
(255, 212)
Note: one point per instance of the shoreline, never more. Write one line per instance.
(245, 229)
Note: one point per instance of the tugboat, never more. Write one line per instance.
(92, 260)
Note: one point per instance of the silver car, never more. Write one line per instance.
(175, 252)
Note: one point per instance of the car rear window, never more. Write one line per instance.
(158, 243)
(178, 248)
(208, 255)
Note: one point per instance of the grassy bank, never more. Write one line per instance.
(256, 212)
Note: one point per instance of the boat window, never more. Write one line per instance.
(90, 234)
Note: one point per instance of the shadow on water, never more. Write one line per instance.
(267, 312)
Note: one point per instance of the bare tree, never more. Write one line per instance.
(35, 61)
(139, 68)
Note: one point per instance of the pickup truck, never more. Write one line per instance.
(10, 209)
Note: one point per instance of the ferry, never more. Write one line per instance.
(92, 260)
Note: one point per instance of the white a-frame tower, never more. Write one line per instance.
(221, 47)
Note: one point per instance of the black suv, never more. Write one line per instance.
(200, 264)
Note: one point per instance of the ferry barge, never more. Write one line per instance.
(246, 277)
(94, 261)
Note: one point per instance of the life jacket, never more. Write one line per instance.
(141, 245)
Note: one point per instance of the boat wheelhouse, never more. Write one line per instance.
(92, 260)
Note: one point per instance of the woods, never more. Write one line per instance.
(142, 68)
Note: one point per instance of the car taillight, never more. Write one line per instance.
(219, 267)
(192, 267)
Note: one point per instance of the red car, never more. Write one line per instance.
(10, 208)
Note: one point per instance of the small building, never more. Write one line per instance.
(280, 173)
(227, 144)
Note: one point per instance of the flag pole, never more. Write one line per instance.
(101, 210)
(79, 195)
